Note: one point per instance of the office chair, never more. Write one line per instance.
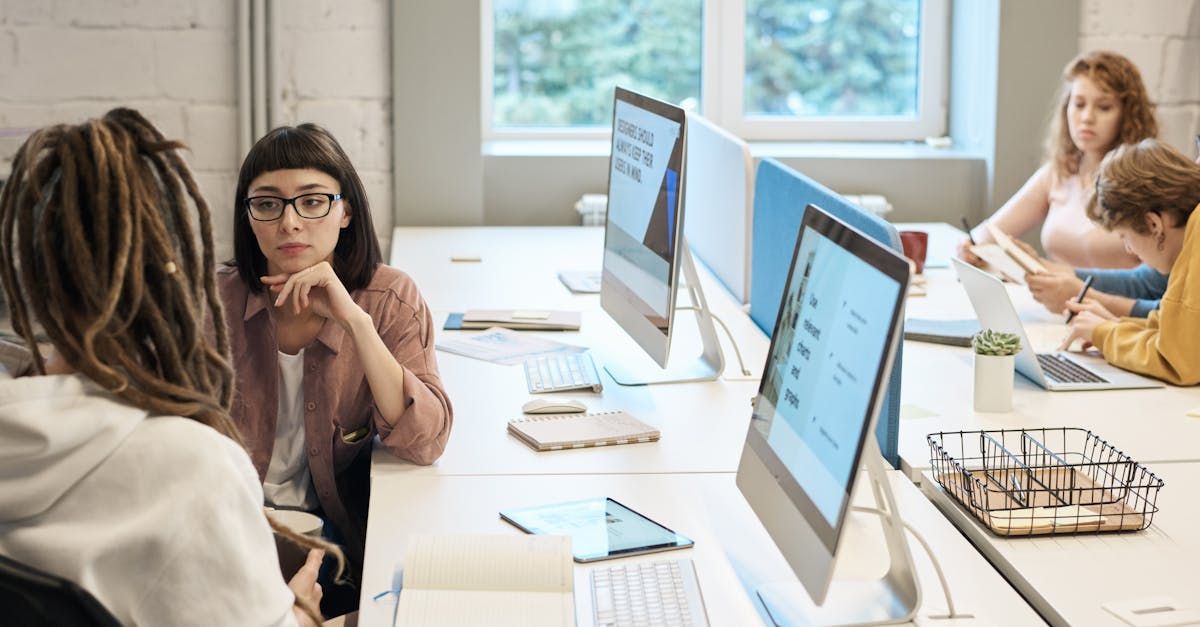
(31, 597)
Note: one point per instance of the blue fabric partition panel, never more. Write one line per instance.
(780, 196)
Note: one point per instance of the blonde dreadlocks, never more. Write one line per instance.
(98, 248)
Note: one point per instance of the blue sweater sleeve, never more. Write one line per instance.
(1143, 284)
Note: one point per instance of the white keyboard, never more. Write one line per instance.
(664, 592)
(558, 372)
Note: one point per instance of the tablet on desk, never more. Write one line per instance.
(600, 528)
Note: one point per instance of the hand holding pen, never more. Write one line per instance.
(964, 247)
(1091, 315)
(1087, 285)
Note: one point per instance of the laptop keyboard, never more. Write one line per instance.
(1064, 370)
(648, 593)
(559, 372)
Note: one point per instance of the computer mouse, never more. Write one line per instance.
(553, 406)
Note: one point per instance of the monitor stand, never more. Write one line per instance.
(893, 598)
(708, 366)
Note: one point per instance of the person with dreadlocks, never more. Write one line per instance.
(331, 346)
(120, 467)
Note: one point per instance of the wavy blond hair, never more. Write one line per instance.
(1147, 177)
(1112, 73)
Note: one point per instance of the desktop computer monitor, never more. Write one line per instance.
(718, 193)
(645, 216)
(822, 387)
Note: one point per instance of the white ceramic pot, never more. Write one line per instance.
(994, 382)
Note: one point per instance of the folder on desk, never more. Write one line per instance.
(555, 432)
(487, 580)
(949, 332)
(519, 319)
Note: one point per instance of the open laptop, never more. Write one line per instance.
(1060, 371)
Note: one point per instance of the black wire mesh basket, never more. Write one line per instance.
(1029, 482)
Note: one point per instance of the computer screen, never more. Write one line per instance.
(822, 385)
(645, 189)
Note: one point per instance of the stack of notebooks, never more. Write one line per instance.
(525, 320)
(562, 431)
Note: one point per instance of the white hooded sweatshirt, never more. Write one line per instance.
(160, 518)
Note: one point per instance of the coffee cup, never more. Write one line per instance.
(915, 245)
(291, 555)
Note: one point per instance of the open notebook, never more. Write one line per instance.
(498, 580)
(559, 431)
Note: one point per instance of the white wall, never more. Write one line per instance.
(1163, 38)
(175, 60)
(333, 67)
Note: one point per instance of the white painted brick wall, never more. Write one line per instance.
(334, 59)
(1147, 17)
(1163, 38)
(197, 65)
(175, 60)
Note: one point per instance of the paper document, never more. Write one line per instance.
(581, 281)
(503, 346)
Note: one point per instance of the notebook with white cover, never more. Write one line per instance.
(561, 431)
(499, 580)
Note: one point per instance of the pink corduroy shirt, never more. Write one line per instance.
(340, 417)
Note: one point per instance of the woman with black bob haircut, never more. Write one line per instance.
(331, 347)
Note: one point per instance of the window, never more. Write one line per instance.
(764, 69)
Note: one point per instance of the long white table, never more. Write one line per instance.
(937, 387)
(1069, 577)
(702, 424)
(733, 553)
(685, 480)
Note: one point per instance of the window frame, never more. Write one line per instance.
(722, 87)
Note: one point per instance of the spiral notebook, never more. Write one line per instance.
(562, 431)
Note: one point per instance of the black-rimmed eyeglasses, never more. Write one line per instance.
(310, 206)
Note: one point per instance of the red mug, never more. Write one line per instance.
(915, 244)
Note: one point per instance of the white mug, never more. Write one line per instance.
(302, 523)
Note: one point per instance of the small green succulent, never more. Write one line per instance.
(999, 343)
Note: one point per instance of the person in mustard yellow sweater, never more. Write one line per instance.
(1148, 194)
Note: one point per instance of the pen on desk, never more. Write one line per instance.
(967, 228)
(1087, 284)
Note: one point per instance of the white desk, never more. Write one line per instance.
(703, 424)
(519, 267)
(733, 553)
(937, 387)
(1067, 578)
